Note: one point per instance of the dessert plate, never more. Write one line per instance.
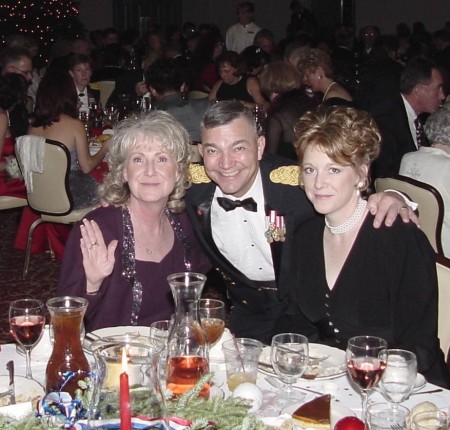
(326, 362)
(337, 412)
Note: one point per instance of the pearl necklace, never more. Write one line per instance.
(351, 222)
(328, 89)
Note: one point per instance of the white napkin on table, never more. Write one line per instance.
(216, 353)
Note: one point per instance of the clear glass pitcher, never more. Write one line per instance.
(187, 350)
(67, 365)
(137, 357)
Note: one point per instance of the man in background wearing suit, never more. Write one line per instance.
(399, 118)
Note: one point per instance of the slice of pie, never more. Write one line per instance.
(314, 414)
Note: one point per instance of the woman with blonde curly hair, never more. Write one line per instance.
(350, 278)
(120, 256)
(316, 67)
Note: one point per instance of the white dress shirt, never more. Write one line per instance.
(239, 234)
(238, 36)
(84, 101)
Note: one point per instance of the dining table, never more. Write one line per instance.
(339, 386)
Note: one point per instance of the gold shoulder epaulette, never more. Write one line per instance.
(197, 174)
(286, 175)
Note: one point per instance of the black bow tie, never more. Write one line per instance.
(230, 205)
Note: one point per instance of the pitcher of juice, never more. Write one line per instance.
(187, 349)
(67, 364)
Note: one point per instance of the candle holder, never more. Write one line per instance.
(126, 383)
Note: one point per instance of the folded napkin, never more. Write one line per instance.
(18, 411)
(216, 353)
(30, 150)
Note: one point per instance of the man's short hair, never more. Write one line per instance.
(75, 59)
(225, 112)
(166, 74)
(12, 55)
(249, 6)
(417, 71)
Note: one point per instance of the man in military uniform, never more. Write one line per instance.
(245, 207)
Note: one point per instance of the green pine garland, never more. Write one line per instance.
(217, 413)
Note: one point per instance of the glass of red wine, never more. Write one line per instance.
(366, 361)
(26, 321)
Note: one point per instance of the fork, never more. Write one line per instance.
(396, 427)
(278, 384)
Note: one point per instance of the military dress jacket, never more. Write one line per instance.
(256, 305)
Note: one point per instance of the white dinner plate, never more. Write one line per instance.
(26, 389)
(328, 363)
(115, 331)
(337, 412)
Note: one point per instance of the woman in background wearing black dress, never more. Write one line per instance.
(317, 69)
(282, 84)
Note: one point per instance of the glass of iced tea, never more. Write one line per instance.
(241, 360)
(212, 318)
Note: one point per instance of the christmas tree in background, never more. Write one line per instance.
(44, 20)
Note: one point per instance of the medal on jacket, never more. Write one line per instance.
(276, 229)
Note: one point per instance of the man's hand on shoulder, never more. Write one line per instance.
(387, 206)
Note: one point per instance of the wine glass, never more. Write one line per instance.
(26, 320)
(399, 377)
(212, 318)
(366, 361)
(289, 355)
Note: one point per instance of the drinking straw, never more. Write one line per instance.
(238, 352)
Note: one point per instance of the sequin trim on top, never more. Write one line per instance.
(129, 257)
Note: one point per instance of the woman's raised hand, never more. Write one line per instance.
(98, 259)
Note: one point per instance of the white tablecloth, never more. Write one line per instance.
(345, 394)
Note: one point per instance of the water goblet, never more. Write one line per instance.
(289, 355)
(212, 318)
(399, 377)
(366, 364)
(26, 320)
(380, 417)
(160, 330)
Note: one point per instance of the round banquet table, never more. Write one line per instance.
(343, 391)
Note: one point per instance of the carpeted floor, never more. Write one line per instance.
(42, 276)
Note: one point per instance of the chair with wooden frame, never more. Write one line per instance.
(431, 205)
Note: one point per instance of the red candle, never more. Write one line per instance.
(125, 406)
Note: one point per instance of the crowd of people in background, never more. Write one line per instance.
(310, 66)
